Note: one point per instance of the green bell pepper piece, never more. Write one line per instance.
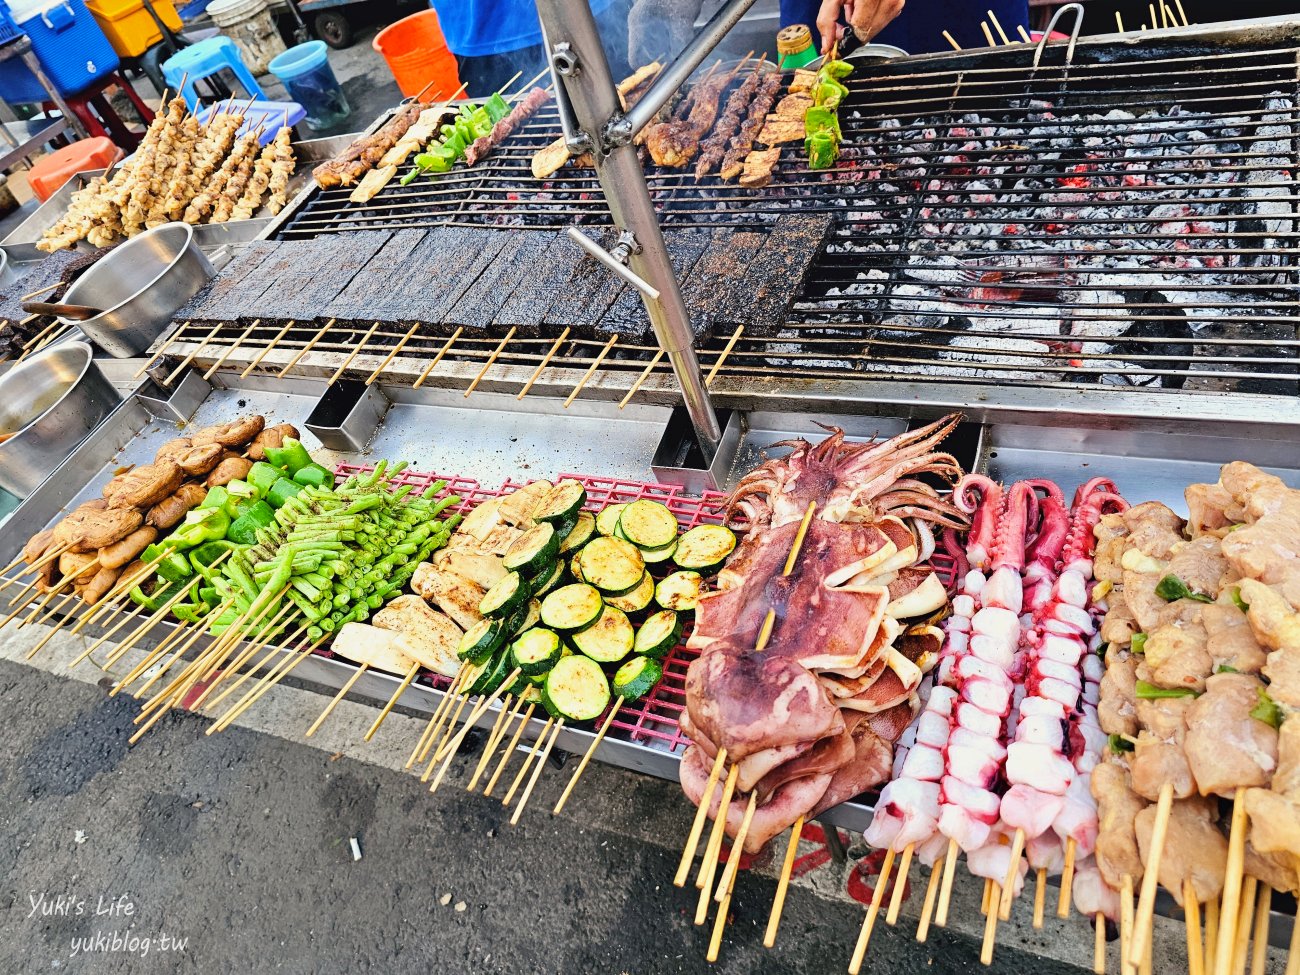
(290, 457)
(281, 491)
(828, 93)
(836, 69)
(201, 525)
(242, 530)
(238, 492)
(190, 612)
(263, 475)
(174, 567)
(202, 557)
(818, 120)
(216, 497)
(154, 592)
(496, 107)
(314, 475)
(822, 150)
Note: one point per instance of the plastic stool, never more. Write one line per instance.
(93, 109)
(203, 60)
(50, 172)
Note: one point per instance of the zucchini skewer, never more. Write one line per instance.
(510, 749)
(537, 771)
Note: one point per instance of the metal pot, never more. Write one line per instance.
(139, 284)
(49, 404)
(7, 273)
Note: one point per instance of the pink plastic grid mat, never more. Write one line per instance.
(654, 718)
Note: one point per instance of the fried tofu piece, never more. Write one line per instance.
(431, 638)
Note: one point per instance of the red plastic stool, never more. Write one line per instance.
(50, 172)
(96, 114)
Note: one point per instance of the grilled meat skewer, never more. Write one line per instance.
(714, 148)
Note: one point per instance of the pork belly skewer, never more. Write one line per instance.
(673, 144)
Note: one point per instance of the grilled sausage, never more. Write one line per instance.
(169, 512)
(120, 553)
(230, 469)
(37, 545)
(100, 585)
(74, 566)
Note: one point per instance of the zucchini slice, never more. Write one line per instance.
(648, 524)
(659, 634)
(497, 670)
(509, 592)
(480, 641)
(536, 651)
(705, 548)
(547, 580)
(576, 689)
(575, 569)
(637, 678)
(532, 551)
(607, 520)
(572, 608)
(656, 556)
(561, 503)
(609, 639)
(527, 616)
(581, 533)
(475, 674)
(680, 591)
(636, 600)
(611, 565)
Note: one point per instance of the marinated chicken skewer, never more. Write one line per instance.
(246, 153)
(742, 142)
(258, 181)
(207, 202)
(154, 162)
(191, 135)
(282, 166)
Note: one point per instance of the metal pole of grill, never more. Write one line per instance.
(593, 121)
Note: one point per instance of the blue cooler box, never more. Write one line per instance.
(73, 52)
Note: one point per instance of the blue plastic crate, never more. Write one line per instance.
(8, 29)
(73, 52)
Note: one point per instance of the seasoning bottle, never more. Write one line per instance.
(794, 46)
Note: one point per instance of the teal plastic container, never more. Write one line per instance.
(307, 76)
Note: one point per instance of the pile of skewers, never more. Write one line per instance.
(182, 170)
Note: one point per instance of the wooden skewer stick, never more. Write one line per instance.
(988, 892)
(931, 896)
(945, 894)
(352, 355)
(1155, 25)
(510, 707)
(68, 579)
(726, 351)
(264, 634)
(1231, 902)
(1259, 957)
(40, 291)
(900, 885)
(54, 630)
(528, 761)
(1024, 34)
(641, 379)
(1211, 932)
(988, 34)
(33, 342)
(1119, 22)
(442, 736)
(446, 347)
(509, 749)
(1125, 924)
(537, 773)
(265, 350)
(1167, 14)
(501, 347)
(329, 708)
(1099, 944)
(260, 666)
(728, 883)
(1192, 918)
(783, 883)
(709, 866)
(40, 563)
(145, 627)
(32, 596)
(401, 689)
(948, 37)
(13, 565)
(595, 364)
(263, 687)
(1293, 950)
(1067, 878)
(453, 746)
(435, 719)
(1164, 15)
(1144, 918)
(1009, 882)
(586, 758)
(990, 926)
(1040, 895)
(1182, 14)
(40, 607)
(189, 359)
(869, 922)
(221, 359)
(306, 348)
(393, 354)
(183, 637)
(106, 606)
(997, 26)
(697, 825)
(117, 626)
(542, 365)
(1245, 921)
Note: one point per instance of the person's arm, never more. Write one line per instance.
(867, 18)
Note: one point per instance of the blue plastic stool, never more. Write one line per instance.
(203, 60)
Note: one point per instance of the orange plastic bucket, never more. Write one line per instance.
(417, 55)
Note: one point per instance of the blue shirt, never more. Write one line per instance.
(474, 28)
(919, 28)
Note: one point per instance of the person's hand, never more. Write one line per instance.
(867, 18)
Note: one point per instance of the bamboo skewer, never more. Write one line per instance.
(728, 883)
(1144, 918)
(40, 291)
(306, 348)
(490, 360)
(1125, 924)
(997, 25)
(189, 359)
(1293, 951)
(931, 896)
(1119, 22)
(1245, 921)
(454, 715)
(221, 359)
(393, 354)
(586, 758)
(783, 883)
(352, 355)
(266, 635)
(542, 365)
(991, 925)
(334, 702)
(697, 825)
(40, 607)
(948, 37)
(28, 345)
(1067, 878)
(537, 773)
(454, 744)
(401, 689)
(1040, 894)
(1178, 5)
(1009, 882)
(528, 761)
(509, 749)
(265, 350)
(595, 364)
(1099, 944)
(900, 885)
(435, 719)
(722, 356)
(187, 640)
(1211, 932)
(1231, 902)
(1155, 25)
(1259, 956)
(988, 34)
(510, 706)
(144, 628)
(263, 687)
(1192, 919)
(117, 626)
(446, 347)
(645, 374)
(119, 591)
(44, 560)
(709, 866)
(34, 595)
(945, 894)
(260, 665)
(54, 630)
(1024, 34)
(869, 922)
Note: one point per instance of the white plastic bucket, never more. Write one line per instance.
(250, 25)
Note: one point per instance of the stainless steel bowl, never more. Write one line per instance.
(49, 404)
(139, 284)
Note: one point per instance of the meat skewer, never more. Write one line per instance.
(743, 141)
(522, 111)
(673, 144)
(714, 147)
